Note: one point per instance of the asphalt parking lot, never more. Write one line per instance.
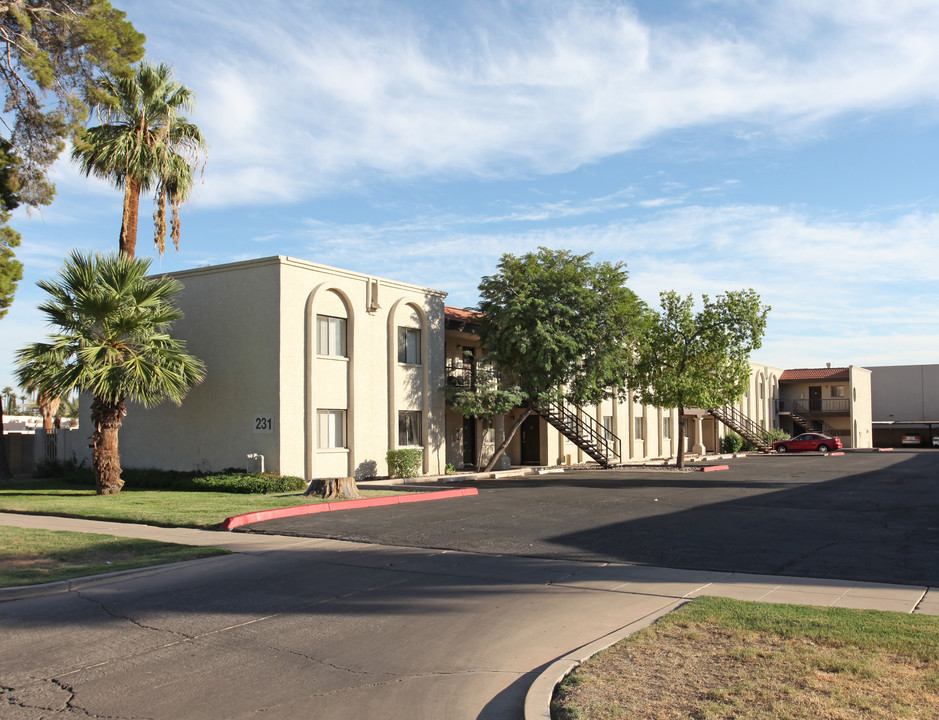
(862, 516)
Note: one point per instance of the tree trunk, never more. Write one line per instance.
(128, 239)
(681, 436)
(5, 473)
(508, 438)
(48, 406)
(107, 417)
(343, 487)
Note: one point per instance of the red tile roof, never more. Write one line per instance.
(460, 315)
(810, 374)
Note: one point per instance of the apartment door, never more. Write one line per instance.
(469, 442)
(815, 398)
(531, 440)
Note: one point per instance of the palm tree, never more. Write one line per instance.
(10, 395)
(113, 343)
(150, 145)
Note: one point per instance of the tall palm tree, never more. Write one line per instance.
(145, 143)
(113, 343)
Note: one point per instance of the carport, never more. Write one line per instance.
(889, 433)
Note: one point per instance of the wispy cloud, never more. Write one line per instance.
(295, 103)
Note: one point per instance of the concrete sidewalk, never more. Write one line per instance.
(515, 620)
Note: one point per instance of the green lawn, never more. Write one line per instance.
(151, 507)
(717, 659)
(28, 557)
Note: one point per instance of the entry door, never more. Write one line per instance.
(815, 398)
(531, 440)
(690, 439)
(469, 442)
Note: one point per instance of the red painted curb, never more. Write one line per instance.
(884, 449)
(262, 515)
(836, 454)
(712, 468)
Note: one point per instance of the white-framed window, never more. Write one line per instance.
(331, 336)
(409, 428)
(608, 427)
(837, 391)
(332, 429)
(409, 345)
(640, 435)
(667, 428)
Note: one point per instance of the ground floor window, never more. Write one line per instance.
(667, 428)
(608, 428)
(640, 434)
(409, 428)
(332, 428)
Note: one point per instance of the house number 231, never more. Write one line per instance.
(263, 424)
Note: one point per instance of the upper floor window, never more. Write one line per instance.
(331, 336)
(409, 345)
(837, 391)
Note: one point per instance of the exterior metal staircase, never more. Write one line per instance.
(743, 426)
(810, 420)
(585, 432)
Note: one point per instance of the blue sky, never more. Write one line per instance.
(790, 146)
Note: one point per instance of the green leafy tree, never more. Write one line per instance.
(145, 144)
(53, 52)
(113, 343)
(11, 269)
(559, 328)
(479, 392)
(702, 359)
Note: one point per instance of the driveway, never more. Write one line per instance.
(301, 627)
(861, 516)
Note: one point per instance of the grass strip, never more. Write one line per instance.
(29, 557)
(151, 507)
(715, 659)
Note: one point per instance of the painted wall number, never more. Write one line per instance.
(263, 424)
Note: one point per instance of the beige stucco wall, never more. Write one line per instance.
(861, 429)
(229, 323)
(254, 325)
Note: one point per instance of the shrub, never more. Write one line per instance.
(229, 481)
(769, 437)
(731, 443)
(249, 484)
(405, 463)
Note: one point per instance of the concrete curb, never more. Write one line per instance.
(20, 592)
(538, 698)
(262, 515)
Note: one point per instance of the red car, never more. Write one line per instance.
(808, 442)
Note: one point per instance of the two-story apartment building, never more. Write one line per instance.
(317, 370)
(835, 401)
(320, 371)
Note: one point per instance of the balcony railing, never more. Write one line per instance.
(468, 375)
(819, 406)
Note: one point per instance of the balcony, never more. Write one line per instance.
(470, 375)
(817, 406)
